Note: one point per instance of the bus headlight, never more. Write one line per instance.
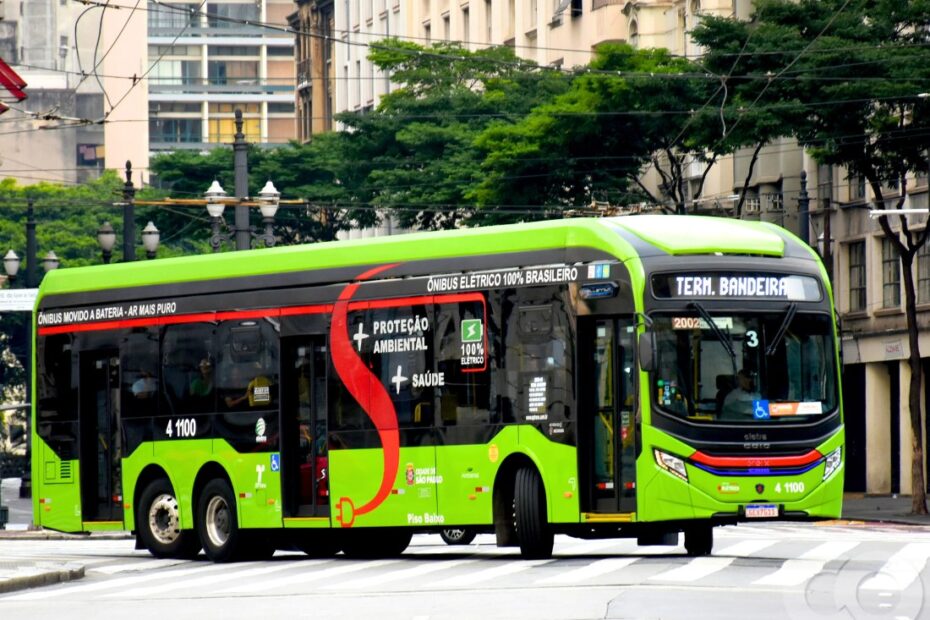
(833, 462)
(671, 464)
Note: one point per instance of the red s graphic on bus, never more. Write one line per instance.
(364, 387)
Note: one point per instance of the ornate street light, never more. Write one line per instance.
(106, 238)
(11, 264)
(50, 261)
(150, 238)
(268, 200)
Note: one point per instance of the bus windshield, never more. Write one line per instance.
(744, 367)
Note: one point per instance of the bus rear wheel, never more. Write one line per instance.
(699, 540)
(158, 523)
(218, 524)
(532, 525)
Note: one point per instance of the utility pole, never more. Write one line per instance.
(804, 211)
(129, 217)
(241, 168)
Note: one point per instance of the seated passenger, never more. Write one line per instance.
(738, 403)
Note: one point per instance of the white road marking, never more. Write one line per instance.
(797, 571)
(590, 571)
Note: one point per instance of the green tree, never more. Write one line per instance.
(67, 219)
(322, 173)
(419, 146)
(849, 74)
(627, 110)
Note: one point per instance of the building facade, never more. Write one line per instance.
(229, 55)
(37, 41)
(869, 291)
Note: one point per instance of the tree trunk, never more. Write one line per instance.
(918, 485)
(742, 194)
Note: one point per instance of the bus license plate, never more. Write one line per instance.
(759, 511)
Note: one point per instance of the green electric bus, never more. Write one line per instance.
(637, 376)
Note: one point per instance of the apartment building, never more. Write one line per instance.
(37, 39)
(333, 71)
(210, 62)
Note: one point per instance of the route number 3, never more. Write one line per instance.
(752, 339)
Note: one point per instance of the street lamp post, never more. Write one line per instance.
(129, 216)
(241, 169)
(269, 199)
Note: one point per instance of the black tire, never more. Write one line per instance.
(458, 535)
(372, 544)
(699, 540)
(533, 531)
(218, 524)
(158, 523)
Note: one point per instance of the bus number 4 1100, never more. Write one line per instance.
(181, 428)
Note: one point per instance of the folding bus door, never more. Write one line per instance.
(607, 407)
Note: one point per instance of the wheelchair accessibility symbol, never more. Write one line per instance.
(760, 409)
(275, 462)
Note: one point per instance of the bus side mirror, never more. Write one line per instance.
(647, 351)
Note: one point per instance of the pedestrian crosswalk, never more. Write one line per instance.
(766, 558)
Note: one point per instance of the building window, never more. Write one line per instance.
(446, 28)
(176, 130)
(857, 276)
(162, 18)
(891, 275)
(466, 24)
(487, 19)
(230, 16)
(923, 274)
(856, 187)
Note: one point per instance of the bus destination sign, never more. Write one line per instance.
(733, 285)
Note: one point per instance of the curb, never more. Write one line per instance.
(51, 535)
(48, 577)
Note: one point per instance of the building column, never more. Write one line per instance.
(904, 426)
(878, 429)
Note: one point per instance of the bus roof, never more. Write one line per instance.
(668, 234)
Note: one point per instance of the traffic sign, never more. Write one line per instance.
(18, 299)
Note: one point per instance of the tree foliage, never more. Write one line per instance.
(847, 79)
(593, 141)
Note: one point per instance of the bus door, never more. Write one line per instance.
(305, 475)
(607, 450)
(100, 439)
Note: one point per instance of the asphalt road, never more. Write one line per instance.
(764, 571)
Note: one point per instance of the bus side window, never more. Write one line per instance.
(247, 365)
(139, 373)
(56, 392)
(464, 398)
(184, 347)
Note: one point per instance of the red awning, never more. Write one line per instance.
(12, 83)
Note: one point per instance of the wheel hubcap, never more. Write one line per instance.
(163, 519)
(218, 521)
(455, 534)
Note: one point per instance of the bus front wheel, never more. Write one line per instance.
(158, 523)
(532, 525)
(218, 524)
(699, 540)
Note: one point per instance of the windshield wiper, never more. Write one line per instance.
(792, 310)
(724, 338)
